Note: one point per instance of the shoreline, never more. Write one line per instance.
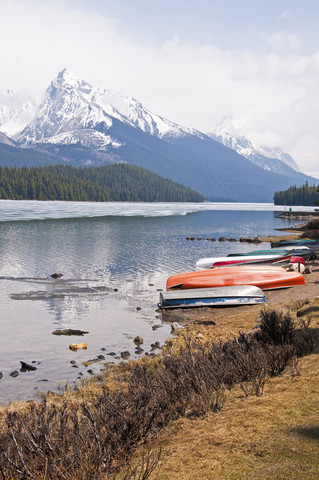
(218, 319)
(250, 433)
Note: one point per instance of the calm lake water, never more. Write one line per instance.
(114, 257)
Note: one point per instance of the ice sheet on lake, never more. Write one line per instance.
(24, 210)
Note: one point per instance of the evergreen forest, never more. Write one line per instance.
(117, 182)
(305, 195)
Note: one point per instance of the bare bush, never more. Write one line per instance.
(276, 328)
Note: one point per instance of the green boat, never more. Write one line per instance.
(261, 252)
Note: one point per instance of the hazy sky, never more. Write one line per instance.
(251, 66)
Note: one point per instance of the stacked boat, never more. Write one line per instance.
(238, 279)
(279, 259)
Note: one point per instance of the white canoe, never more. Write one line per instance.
(210, 262)
(212, 297)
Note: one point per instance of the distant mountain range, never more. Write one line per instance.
(273, 160)
(80, 125)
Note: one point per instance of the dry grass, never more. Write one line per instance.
(273, 436)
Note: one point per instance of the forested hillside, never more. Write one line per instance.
(305, 195)
(120, 182)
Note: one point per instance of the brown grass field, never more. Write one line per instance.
(272, 436)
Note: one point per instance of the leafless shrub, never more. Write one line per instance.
(276, 328)
(152, 458)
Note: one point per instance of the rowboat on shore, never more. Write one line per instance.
(212, 297)
(266, 277)
(299, 251)
(211, 262)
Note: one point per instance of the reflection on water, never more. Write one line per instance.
(113, 268)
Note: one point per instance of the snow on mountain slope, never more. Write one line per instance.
(268, 159)
(69, 111)
(141, 117)
(73, 112)
(16, 111)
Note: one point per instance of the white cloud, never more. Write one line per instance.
(273, 98)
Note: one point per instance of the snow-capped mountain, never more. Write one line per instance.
(16, 111)
(79, 124)
(73, 112)
(273, 160)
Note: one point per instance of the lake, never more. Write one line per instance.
(115, 258)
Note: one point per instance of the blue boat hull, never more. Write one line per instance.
(212, 297)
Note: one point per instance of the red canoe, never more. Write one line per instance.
(264, 277)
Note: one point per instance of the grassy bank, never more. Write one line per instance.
(272, 436)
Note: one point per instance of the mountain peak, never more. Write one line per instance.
(67, 78)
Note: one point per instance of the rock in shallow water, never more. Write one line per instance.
(25, 367)
(69, 331)
(56, 275)
(125, 355)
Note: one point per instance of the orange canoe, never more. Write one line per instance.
(264, 277)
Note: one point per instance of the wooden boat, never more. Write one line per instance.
(212, 297)
(266, 277)
(211, 262)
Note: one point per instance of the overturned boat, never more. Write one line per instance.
(211, 262)
(212, 297)
(266, 277)
(299, 251)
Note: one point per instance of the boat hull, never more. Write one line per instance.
(264, 277)
(212, 297)
(211, 262)
(305, 252)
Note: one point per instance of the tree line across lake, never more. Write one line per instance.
(305, 195)
(118, 183)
